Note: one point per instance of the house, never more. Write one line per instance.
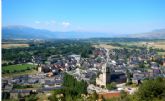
(118, 77)
(156, 71)
(33, 80)
(154, 65)
(59, 77)
(76, 57)
(109, 95)
(163, 63)
(46, 68)
(50, 84)
(14, 94)
(8, 87)
(4, 83)
(45, 90)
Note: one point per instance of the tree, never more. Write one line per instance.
(129, 75)
(10, 63)
(103, 99)
(95, 96)
(123, 94)
(4, 64)
(141, 65)
(69, 98)
(32, 97)
(151, 89)
(5, 95)
(111, 86)
(28, 68)
(72, 89)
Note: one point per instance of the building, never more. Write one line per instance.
(76, 57)
(109, 95)
(39, 69)
(108, 76)
(103, 77)
(118, 77)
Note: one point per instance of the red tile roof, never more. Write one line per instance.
(109, 95)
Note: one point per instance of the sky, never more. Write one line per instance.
(110, 16)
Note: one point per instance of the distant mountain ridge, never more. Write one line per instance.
(155, 34)
(22, 32)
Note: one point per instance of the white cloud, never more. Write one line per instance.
(65, 24)
(52, 22)
(54, 25)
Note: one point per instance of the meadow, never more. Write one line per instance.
(16, 68)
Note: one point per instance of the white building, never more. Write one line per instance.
(76, 57)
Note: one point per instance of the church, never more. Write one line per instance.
(109, 76)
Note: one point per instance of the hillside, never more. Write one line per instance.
(155, 34)
(22, 32)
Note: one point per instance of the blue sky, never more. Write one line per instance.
(111, 16)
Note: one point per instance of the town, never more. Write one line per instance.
(107, 72)
(82, 50)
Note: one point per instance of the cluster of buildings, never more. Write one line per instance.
(103, 67)
(26, 84)
(140, 64)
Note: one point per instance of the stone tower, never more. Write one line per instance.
(104, 72)
(104, 76)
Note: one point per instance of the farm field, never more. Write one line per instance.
(160, 45)
(105, 46)
(7, 46)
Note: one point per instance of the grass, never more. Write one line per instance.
(17, 67)
(43, 97)
(16, 70)
(28, 72)
(160, 44)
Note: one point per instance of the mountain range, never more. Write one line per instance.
(155, 34)
(23, 32)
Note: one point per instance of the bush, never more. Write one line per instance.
(5, 95)
(111, 86)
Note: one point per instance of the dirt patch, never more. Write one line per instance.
(7, 46)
